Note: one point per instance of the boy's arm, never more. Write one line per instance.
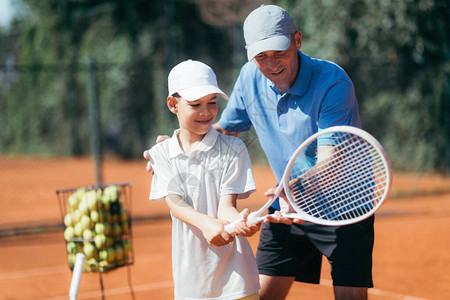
(212, 229)
(227, 211)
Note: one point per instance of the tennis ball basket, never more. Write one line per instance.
(97, 223)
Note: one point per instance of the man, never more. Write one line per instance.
(288, 96)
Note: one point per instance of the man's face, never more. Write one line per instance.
(280, 67)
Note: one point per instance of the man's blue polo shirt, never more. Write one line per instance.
(321, 96)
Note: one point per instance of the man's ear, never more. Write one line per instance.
(172, 104)
(298, 39)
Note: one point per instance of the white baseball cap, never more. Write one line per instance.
(268, 28)
(193, 80)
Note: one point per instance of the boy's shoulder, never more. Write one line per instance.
(161, 147)
(231, 141)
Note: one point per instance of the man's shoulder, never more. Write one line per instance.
(325, 67)
(249, 69)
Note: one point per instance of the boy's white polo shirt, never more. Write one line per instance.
(219, 166)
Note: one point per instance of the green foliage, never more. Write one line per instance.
(396, 52)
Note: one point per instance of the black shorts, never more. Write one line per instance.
(296, 250)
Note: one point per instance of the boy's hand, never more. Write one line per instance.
(146, 153)
(215, 233)
(244, 228)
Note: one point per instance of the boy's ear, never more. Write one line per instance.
(172, 104)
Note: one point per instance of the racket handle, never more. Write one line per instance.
(230, 227)
(252, 218)
(76, 276)
(290, 215)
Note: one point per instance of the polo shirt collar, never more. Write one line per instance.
(303, 79)
(206, 144)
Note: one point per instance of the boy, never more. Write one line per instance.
(201, 173)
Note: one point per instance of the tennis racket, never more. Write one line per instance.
(338, 176)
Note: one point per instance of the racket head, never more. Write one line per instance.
(339, 176)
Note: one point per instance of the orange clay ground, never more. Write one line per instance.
(411, 255)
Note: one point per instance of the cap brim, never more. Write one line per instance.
(197, 92)
(276, 43)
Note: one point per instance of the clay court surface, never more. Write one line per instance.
(411, 254)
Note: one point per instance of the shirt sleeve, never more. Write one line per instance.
(164, 181)
(339, 106)
(235, 117)
(238, 177)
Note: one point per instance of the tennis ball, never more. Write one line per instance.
(80, 191)
(108, 228)
(69, 233)
(100, 241)
(86, 222)
(119, 252)
(87, 234)
(71, 259)
(127, 247)
(103, 254)
(103, 265)
(91, 200)
(89, 250)
(116, 230)
(73, 201)
(94, 216)
(78, 229)
(105, 202)
(72, 247)
(68, 220)
(111, 254)
(93, 264)
(99, 228)
(83, 208)
(113, 191)
(76, 216)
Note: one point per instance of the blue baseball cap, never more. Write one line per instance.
(268, 28)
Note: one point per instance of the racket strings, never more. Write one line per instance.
(358, 197)
(346, 185)
(349, 199)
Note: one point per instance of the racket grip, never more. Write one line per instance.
(230, 227)
(76, 276)
(252, 218)
(290, 215)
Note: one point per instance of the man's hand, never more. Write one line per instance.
(146, 153)
(225, 132)
(285, 207)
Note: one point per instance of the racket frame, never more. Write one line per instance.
(257, 216)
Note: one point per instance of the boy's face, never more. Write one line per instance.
(195, 116)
